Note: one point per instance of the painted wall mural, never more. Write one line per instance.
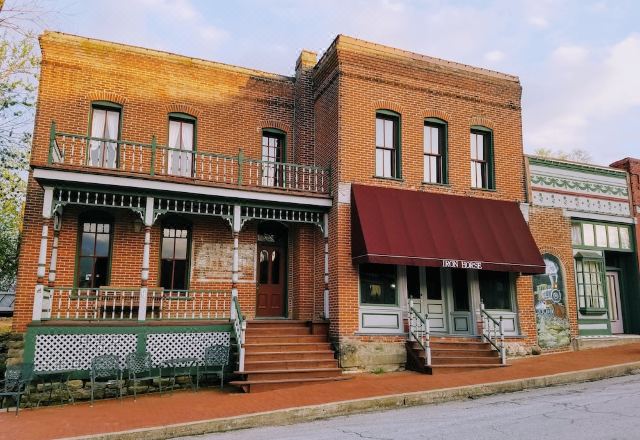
(550, 297)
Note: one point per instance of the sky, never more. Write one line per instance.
(578, 60)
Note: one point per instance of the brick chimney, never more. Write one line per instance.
(303, 126)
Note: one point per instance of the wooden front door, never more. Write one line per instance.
(271, 281)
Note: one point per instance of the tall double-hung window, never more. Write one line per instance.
(482, 167)
(94, 251)
(273, 154)
(174, 269)
(387, 144)
(105, 133)
(435, 151)
(182, 137)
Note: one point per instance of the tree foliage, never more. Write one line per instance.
(18, 70)
(575, 155)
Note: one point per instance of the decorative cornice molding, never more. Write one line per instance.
(557, 182)
(575, 166)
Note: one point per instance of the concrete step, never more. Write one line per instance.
(257, 356)
(464, 360)
(288, 346)
(459, 368)
(306, 373)
(297, 364)
(256, 386)
(279, 339)
(277, 331)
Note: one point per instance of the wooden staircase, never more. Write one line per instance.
(453, 354)
(286, 353)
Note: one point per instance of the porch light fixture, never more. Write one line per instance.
(137, 225)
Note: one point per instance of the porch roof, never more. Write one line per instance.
(395, 226)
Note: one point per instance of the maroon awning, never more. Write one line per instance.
(396, 226)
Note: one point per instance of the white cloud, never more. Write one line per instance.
(539, 22)
(494, 56)
(569, 55)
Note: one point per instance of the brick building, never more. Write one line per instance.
(174, 203)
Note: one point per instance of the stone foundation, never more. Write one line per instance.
(356, 355)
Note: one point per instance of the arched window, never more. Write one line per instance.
(94, 249)
(274, 152)
(104, 129)
(435, 151)
(182, 144)
(388, 162)
(482, 166)
(174, 254)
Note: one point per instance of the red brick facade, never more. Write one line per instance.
(632, 167)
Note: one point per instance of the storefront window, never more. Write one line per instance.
(413, 282)
(495, 290)
(460, 290)
(589, 279)
(434, 289)
(378, 284)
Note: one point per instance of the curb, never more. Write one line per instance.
(323, 411)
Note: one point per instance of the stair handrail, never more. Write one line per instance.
(240, 330)
(493, 333)
(420, 332)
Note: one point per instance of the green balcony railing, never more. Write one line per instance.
(153, 159)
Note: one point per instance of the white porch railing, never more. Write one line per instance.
(120, 304)
(493, 333)
(420, 332)
(240, 330)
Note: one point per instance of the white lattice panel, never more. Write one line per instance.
(163, 346)
(74, 352)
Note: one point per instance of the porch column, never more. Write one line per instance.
(57, 224)
(235, 229)
(325, 231)
(144, 273)
(38, 297)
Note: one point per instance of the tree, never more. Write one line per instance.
(18, 81)
(575, 155)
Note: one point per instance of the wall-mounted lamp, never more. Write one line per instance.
(137, 225)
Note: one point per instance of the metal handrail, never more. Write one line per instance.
(420, 332)
(240, 330)
(493, 333)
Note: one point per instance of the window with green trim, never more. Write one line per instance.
(435, 151)
(273, 155)
(590, 283)
(387, 144)
(174, 266)
(181, 144)
(601, 235)
(378, 284)
(94, 251)
(482, 167)
(105, 133)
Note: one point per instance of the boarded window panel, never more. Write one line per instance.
(576, 234)
(624, 238)
(601, 236)
(588, 234)
(614, 239)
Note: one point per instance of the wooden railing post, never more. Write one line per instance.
(153, 155)
(52, 140)
(240, 165)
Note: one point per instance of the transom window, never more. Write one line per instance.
(481, 159)
(175, 258)
(181, 146)
(435, 151)
(603, 236)
(105, 132)
(387, 144)
(273, 145)
(590, 282)
(94, 254)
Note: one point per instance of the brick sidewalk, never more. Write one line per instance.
(183, 407)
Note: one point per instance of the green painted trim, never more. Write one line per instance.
(590, 332)
(108, 105)
(283, 135)
(491, 178)
(52, 141)
(585, 168)
(87, 217)
(179, 222)
(397, 136)
(184, 117)
(441, 124)
(568, 183)
(619, 226)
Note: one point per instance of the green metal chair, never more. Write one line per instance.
(140, 367)
(105, 369)
(16, 383)
(216, 358)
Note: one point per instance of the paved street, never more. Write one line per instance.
(608, 409)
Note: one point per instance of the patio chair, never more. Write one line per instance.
(15, 384)
(140, 367)
(105, 369)
(216, 358)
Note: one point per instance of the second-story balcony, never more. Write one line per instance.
(80, 151)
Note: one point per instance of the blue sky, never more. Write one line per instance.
(578, 60)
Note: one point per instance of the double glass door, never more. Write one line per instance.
(444, 295)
